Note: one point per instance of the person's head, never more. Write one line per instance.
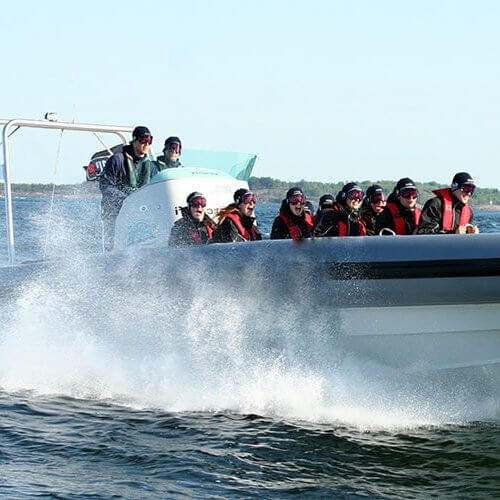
(173, 148)
(196, 203)
(376, 198)
(462, 187)
(351, 195)
(326, 201)
(308, 207)
(141, 141)
(406, 192)
(245, 200)
(295, 199)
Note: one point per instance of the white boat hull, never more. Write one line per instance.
(409, 303)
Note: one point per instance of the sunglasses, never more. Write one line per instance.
(198, 202)
(409, 193)
(174, 146)
(248, 198)
(296, 200)
(355, 195)
(468, 189)
(145, 139)
(376, 200)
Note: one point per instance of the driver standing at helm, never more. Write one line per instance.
(449, 211)
(123, 173)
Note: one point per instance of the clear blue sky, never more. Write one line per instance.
(321, 90)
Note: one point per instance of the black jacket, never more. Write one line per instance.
(280, 230)
(385, 219)
(227, 232)
(328, 222)
(162, 163)
(369, 218)
(188, 231)
(432, 216)
(122, 174)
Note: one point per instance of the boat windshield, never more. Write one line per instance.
(237, 165)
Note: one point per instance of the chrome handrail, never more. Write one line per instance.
(7, 125)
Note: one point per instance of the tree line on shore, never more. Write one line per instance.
(267, 189)
(273, 190)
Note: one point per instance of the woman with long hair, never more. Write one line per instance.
(237, 221)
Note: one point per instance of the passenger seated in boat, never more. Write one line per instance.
(237, 221)
(401, 214)
(293, 221)
(170, 157)
(309, 208)
(326, 202)
(449, 211)
(123, 173)
(373, 205)
(195, 227)
(344, 218)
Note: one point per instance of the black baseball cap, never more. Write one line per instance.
(140, 131)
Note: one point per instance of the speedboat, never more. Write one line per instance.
(411, 303)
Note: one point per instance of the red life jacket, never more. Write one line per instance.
(294, 229)
(447, 217)
(343, 228)
(239, 226)
(398, 219)
(196, 235)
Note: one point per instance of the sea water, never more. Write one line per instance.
(189, 402)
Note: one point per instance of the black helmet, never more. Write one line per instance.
(404, 183)
(460, 179)
(375, 191)
(326, 200)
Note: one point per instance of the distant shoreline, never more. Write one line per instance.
(261, 196)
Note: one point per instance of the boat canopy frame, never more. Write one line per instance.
(120, 131)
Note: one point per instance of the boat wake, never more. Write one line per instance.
(195, 344)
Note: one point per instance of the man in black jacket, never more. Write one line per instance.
(123, 173)
(449, 212)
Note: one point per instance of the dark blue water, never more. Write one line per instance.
(181, 407)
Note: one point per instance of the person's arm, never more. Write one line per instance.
(177, 233)
(112, 177)
(384, 221)
(326, 225)
(430, 218)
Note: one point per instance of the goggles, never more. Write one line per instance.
(198, 202)
(355, 195)
(408, 193)
(248, 198)
(145, 139)
(377, 198)
(174, 146)
(468, 189)
(296, 200)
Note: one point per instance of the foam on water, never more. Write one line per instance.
(211, 350)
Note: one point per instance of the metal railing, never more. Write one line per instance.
(41, 124)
